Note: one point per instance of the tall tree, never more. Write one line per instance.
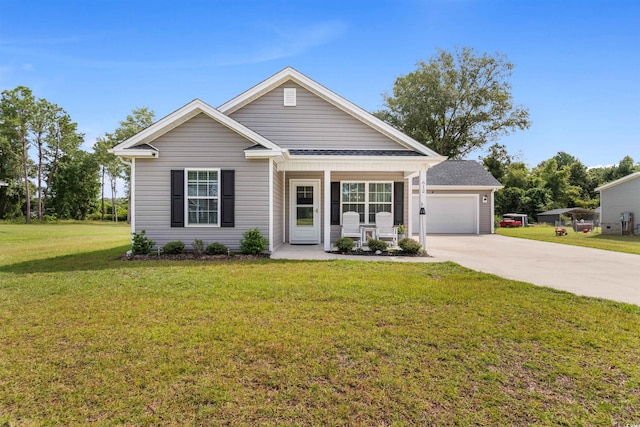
(43, 113)
(455, 102)
(74, 188)
(497, 161)
(16, 111)
(103, 157)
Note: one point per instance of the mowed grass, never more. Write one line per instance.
(546, 233)
(86, 339)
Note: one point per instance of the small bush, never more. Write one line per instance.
(377, 245)
(198, 247)
(141, 244)
(173, 248)
(344, 244)
(409, 246)
(217, 249)
(252, 242)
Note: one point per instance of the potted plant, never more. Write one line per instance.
(401, 231)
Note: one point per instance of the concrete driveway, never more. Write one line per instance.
(583, 271)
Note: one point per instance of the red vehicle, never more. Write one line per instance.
(510, 222)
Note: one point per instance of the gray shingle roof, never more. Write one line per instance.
(460, 172)
(390, 153)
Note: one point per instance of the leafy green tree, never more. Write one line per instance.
(497, 161)
(75, 187)
(16, 111)
(455, 102)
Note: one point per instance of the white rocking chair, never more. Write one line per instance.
(385, 230)
(351, 227)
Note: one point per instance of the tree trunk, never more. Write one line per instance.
(102, 198)
(40, 161)
(113, 200)
(25, 168)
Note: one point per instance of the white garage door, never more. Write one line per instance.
(448, 214)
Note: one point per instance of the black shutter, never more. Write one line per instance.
(227, 199)
(398, 203)
(335, 203)
(177, 198)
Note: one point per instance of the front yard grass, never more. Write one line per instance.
(86, 339)
(546, 233)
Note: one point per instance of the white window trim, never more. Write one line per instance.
(186, 197)
(366, 197)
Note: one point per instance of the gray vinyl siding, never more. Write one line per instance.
(624, 197)
(312, 123)
(201, 143)
(278, 213)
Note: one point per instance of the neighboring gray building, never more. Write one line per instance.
(460, 198)
(618, 199)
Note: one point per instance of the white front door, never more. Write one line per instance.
(304, 224)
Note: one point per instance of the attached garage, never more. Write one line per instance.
(449, 213)
(460, 199)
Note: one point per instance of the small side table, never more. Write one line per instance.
(368, 232)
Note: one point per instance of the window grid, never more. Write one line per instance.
(202, 197)
(367, 198)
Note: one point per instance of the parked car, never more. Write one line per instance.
(509, 222)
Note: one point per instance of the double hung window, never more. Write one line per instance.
(367, 198)
(203, 189)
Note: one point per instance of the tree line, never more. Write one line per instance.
(44, 171)
(562, 181)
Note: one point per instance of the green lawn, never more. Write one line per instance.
(86, 339)
(546, 233)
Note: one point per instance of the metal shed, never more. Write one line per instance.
(555, 215)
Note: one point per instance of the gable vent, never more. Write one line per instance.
(289, 96)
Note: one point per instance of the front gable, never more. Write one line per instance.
(314, 117)
(313, 123)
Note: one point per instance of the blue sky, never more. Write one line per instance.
(577, 62)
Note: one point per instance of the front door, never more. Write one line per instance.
(304, 224)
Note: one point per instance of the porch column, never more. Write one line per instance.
(409, 196)
(327, 210)
(422, 238)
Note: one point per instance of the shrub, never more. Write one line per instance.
(344, 244)
(377, 245)
(198, 247)
(173, 248)
(141, 244)
(217, 249)
(409, 246)
(252, 242)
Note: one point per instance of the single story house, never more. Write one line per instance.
(576, 214)
(620, 205)
(288, 157)
(460, 198)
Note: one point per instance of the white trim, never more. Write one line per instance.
(618, 181)
(142, 153)
(409, 198)
(270, 206)
(182, 115)
(351, 164)
(132, 208)
(461, 187)
(290, 74)
(292, 205)
(186, 197)
(493, 211)
(284, 207)
(327, 210)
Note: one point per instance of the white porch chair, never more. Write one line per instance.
(351, 227)
(385, 230)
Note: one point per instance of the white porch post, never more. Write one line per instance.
(423, 209)
(409, 224)
(493, 211)
(327, 210)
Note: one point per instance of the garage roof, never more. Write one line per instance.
(461, 173)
